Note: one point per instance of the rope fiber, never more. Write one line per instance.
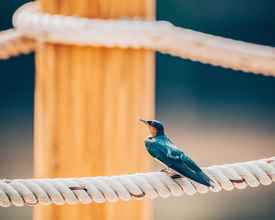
(85, 190)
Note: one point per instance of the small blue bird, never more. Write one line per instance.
(161, 148)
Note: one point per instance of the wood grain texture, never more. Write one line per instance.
(87, 104)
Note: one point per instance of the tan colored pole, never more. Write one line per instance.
(87, 105)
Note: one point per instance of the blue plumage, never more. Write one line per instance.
(160, 147)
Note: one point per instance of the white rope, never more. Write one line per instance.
(156, 35)
(13, 43)
(161, 36)
(85, 190)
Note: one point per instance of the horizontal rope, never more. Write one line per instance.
(85, 190)
(161, 36)
(13, 43)
(156, 35)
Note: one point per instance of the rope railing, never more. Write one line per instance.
(156, 35)
(28, 192)
(13, 43)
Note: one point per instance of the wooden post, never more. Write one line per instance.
(87, 104)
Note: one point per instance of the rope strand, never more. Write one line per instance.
(13, 43)
(29, 192)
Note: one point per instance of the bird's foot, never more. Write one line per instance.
(171, 173)
(175, 176)
(165, 170)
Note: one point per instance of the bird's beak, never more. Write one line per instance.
(143, 121)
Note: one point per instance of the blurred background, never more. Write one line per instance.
(216, 115)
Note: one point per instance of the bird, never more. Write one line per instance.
(177, 163)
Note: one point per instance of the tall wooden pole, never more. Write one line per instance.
(87, 104)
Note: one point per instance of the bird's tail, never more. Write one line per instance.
(206, 180)
(212, 183)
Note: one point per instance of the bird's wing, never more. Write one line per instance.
(169, 140)
(156, 149)
(191, 164)
(192, 172)
(176, 154)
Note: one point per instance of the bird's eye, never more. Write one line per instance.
(149, 122)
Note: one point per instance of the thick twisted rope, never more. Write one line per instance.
(13, 43)
(22, 192)
(155, 35)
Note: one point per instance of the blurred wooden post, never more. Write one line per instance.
(87, 104)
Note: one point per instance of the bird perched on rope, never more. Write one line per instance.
(161, 148)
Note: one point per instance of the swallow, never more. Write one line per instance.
(160, 147)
